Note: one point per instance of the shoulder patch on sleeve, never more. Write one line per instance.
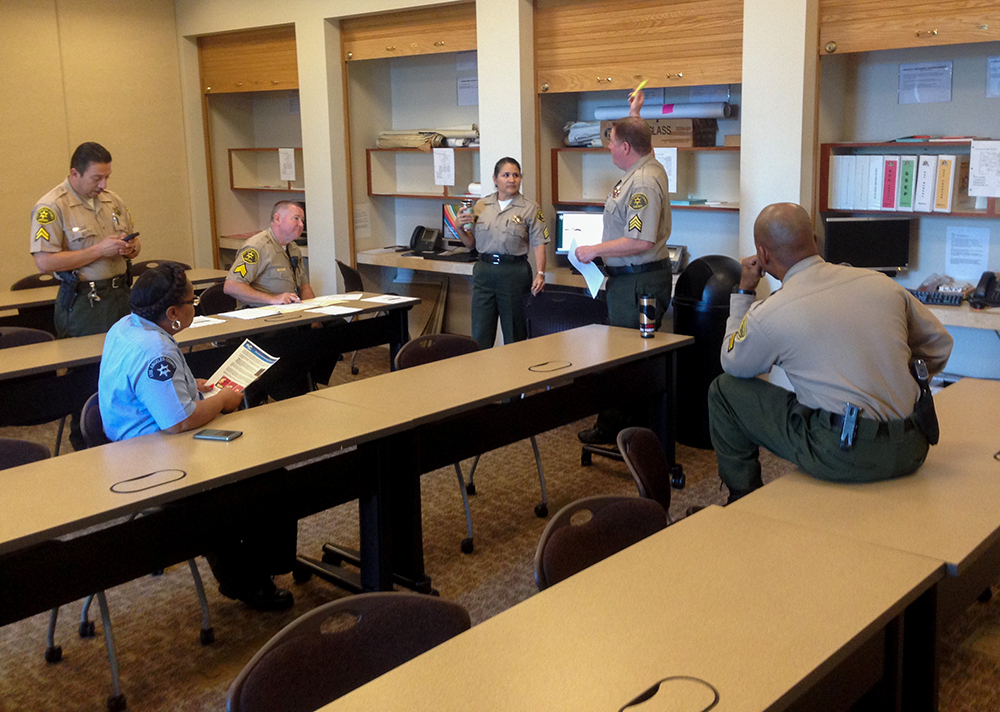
(635, 224)
(161, 369)
(545, 233)
(241, 271)
(42, 234)
(250, 256)
(539, 216)
(45, 215)
(738, 335)
(638, 201)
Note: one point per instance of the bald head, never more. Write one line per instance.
(785, 232)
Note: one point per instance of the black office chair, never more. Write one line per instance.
(551, 312)
(340, 646)
(33, 281)
(21, 408)
(591, 529)
(140, 267)
(641, 450)
(214, 300)
(92, 427)
(40, 317)
(352, 283)
(434, 347)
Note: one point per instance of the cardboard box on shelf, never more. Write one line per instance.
(731, 140)
(683, 133)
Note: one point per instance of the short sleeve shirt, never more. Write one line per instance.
(511, 230)
(266, 266)
(62, 221)
(639, 207)
(145, 384)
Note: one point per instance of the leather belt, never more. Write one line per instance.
(116, 282)
(636, 269)
(869, 428)
(492, 259)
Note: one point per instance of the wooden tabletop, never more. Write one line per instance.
(67, 493)
(964, 315)
(949, 509)
(761, 609)
(65, 353)
(466, 382)
(41, 296)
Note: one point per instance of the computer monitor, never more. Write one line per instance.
(449, 223)
(587, 227)
(877, 243)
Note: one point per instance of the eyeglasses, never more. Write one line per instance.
(193, 302)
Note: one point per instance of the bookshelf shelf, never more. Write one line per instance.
(409, 173)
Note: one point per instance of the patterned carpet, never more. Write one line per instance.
(156, 619)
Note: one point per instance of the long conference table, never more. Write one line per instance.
(373, 444)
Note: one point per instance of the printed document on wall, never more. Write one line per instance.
(925, 82)
(984, 169)
(968, 252)
(444, 166)
(668, 157)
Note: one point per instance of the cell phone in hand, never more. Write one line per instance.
(130, 237)
(223, 435)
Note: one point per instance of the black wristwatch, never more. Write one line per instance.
(751, 292)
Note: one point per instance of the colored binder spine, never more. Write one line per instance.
(890, 184)
(945, 184)
(907, 182)
(923, 194)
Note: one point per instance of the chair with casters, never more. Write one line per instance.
(550, 312)
(352, 283)
(591, 529)
(92, 428)
(35, 400)
(140, 267)
(340, 646)
(641, 450)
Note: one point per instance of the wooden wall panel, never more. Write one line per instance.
(429, 30)
(250, 60)
(866, 25)
(584, 45)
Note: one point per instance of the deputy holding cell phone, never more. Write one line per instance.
(83, 233)
(146, 387)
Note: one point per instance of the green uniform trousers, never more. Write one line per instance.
(624, 290)
(745, 413)
(76, 315)
(497, 291)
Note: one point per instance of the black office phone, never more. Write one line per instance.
(425, 240)
(987, 292)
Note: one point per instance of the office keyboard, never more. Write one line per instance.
(943, 299)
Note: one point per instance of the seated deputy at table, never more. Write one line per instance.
(845, 337)
(269, 269)
(146, 386)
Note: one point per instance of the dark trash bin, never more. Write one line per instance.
(701, 307)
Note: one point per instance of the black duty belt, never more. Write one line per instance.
(491, 259)
(870, 429)
(116, 282)
(636, 269)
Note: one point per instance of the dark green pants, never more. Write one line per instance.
(746, 413)
(497, 291)
(624, 291)
(77, 315)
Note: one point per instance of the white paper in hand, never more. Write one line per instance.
(591, 273)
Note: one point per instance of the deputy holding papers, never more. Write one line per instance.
(269, 269)
(146, 386)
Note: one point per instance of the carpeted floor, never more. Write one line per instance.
(157, 619)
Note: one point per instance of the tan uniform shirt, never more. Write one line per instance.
(639, 207)
(62, 221)
(509, 231)
(842, 334)
(264, 265)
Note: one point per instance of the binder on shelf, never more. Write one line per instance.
(923, 192)
(945, 184)
(890, 183)
(847, 184)
(907, 182)
(962, 202)
(838, 197)
(860, 201)
(876, 169)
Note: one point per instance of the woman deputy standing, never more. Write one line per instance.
(502, 227)
(146, 387)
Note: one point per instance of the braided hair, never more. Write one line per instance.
(157, 289)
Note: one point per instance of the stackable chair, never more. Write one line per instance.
(591, 529)
(550, 312)
(434, 347)
(140, 267)
(40, 317)
(214, 300)
(340, 646)
(93, 434)
(34, 400)
(352, 283)
(641, 450)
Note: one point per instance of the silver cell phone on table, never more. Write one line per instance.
(223, 435)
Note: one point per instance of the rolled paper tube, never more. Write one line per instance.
(711, 110)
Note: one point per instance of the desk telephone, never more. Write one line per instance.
(425, 240)
(987, 292)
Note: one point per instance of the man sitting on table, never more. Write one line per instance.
(269, 269)
(846, 338)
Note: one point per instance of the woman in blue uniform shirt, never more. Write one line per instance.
(146, 386)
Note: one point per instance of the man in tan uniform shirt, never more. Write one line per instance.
(77, 231)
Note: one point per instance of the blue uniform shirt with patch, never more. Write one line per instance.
(145, 384)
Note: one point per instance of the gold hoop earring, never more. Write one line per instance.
(175, 325)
